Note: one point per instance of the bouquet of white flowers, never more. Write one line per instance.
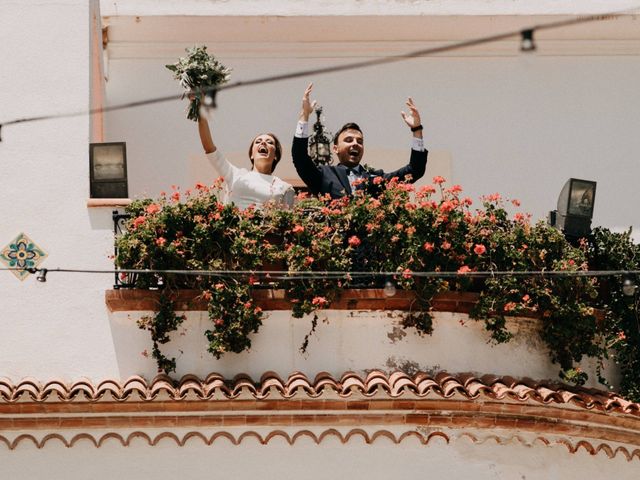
(198, 72)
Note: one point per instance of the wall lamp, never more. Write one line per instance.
(575, 208)
(108, 170)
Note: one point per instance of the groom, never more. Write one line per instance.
(348, 145)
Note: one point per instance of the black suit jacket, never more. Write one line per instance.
(334, 180)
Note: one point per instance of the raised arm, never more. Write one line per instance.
(307, 170)
(418, 161)
(205, 135)
(219, 162)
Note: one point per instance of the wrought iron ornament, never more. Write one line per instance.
(320, 141)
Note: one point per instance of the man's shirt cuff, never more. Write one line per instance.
(302, 130)
(417, 144)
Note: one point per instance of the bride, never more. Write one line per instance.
(255, 186)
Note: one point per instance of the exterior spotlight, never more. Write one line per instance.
(389, 289)
(42, 275)
(629, 287)
(320, 142)
(108, 170)
(527, 43)
(575, 208)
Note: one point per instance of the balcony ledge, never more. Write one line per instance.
(131, 300)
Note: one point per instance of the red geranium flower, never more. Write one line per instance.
(354, 241)
(153, 208)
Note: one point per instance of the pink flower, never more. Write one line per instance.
(153, 208)
(516, 202)
(175, 196)
(621, 335)
(428, 246)
(464, 269)
(406, 273)
(219, 286)
(219, 322)
(519, 217)
(319, 302)
(454, 189)
(438, 180)
(138, 221)
(526, 298)
(354, 241)
(446, 206)
(508, 307)
(479, 249)
(308, 260)
(426, 190)
(160, 241)
(297, 229)
(378, 180)
(445, 245)
(410, 230)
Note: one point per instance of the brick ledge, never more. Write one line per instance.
(127, 300)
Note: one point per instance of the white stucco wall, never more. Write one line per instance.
(45, 185)
(344, 341)
(362, 7)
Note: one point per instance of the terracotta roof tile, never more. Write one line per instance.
(350, 386)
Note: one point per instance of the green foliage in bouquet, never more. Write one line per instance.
(198, 72)
(402, 230)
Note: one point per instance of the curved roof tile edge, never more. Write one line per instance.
(395, 385)
(368, 437)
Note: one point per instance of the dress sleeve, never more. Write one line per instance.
(226, 169)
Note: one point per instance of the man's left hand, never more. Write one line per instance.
(412, 119)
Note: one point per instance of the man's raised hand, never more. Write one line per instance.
(412, 119)
(307, 104)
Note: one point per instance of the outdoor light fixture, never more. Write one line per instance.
(527, 43)
(108, 170)
(389, 289)
(575, 208)
(320, 142)
(42, 275)
(629, 287)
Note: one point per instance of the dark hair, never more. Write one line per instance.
(346, 126)
(278, 149)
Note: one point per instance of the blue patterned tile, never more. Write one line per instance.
(22, 253)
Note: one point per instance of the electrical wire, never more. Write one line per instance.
(341, 274)
(338, 68)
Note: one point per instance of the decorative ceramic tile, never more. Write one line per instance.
(22, 254)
